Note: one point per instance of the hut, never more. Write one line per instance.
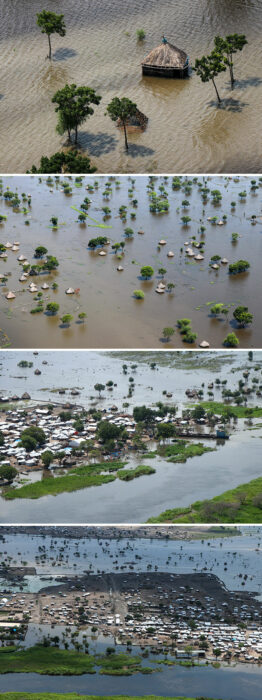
(166, 61)
(26, 396)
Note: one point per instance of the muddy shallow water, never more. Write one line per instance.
(186, 130)
(114, 317)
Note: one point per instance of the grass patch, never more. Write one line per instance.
(129, 474)
(239, 411)
(235, 506)
(182, 450)
(76, 479)
(60, 662)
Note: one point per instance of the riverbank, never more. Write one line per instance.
(239, 505)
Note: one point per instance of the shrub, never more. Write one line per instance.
(239, 266)
(147, 271)
(231, 340)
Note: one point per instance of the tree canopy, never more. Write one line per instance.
(71, 162)
(74, 106)
(121, 109)
(51, 23)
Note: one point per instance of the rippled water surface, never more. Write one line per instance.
(115, 319)
(186, 130)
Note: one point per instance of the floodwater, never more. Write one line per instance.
(174, 372)
(237, 461)
(186, 132)
(230, 683)
(225, 557)
(115, 319)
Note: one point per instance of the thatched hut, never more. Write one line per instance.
(166, 61)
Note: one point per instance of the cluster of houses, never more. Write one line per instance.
(63, 436)
(180, 618)
(60, 437)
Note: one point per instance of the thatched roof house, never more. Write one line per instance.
(167, 61)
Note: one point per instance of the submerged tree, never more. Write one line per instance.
(51, 23)
(73, 107)
(121, 109)
(243, 316)
(229, 46)
(208, 67)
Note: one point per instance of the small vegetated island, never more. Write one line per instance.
(65, 447)
(179, 257)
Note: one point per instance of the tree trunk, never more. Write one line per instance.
(76, 134)
(69, 134)
(232, 72)
(50, 50)
(126, 143)
(218, 97)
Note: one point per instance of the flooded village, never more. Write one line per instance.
(130, 262)
(176, 616)
(128, 435)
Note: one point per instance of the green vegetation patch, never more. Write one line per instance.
(129, 474)
(60, 662)
(78, 478)
(182, 450)
(240, 505)
(240, 411)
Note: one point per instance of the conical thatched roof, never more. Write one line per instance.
(165, 55)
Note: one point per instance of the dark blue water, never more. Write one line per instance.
(236, 683)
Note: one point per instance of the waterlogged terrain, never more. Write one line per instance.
(58, 555)
(190, 280)
(186, 131)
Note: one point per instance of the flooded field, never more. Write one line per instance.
(175, 371)
(58, 555)
(186, 131)
(196, 232)
(236, 461)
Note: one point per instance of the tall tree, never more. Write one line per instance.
(208, 67)
(74, 106)
(121, 109)
(51, 23)
(229, 46)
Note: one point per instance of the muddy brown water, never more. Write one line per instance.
(114, 317)
(186, 130)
